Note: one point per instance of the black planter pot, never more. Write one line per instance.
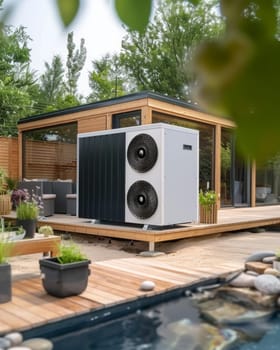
(5, 283)
(29, 226)
(64, 280)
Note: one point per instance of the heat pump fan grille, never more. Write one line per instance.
(142, 153)
(142, 199)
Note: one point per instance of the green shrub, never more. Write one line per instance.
(70, 253)
(207, 198)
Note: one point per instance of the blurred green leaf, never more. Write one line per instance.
(134, 13)
(68, 10)
(194, 2)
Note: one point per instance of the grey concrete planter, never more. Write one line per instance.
(5, 283)
(64, 280)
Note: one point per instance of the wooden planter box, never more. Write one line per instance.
(5, 204)
(208, 214)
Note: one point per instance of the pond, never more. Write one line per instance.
(187, 318)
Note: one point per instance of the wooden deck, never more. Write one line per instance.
(228, 220)
(115, 281)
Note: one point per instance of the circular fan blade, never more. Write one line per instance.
(142, 153)
(142, 199)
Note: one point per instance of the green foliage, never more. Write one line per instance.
(16, 78)
(158, 59)
(5, 250)
(75, 63)
(107, 79)
(27, 210)
(134, 13)
(46, 230)
(68, 10)
(239, 74)
(207, 198)
(58, 84)
(70, 253)
(51, 82)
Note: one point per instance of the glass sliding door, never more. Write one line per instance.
(226, 168)
(235, 173)
(268, 182)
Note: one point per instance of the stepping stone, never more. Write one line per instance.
(257, 266)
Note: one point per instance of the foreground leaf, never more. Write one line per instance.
(134, 13)
(68, 10)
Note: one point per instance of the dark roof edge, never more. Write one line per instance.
(116, 100)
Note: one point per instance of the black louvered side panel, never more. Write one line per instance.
(102, 177)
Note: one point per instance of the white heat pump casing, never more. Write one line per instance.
(174, 176)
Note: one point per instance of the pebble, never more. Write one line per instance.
(5, 343)
(15, 338)
(147, 285)
(267, 284)
(259, 256)
(269, 259)
(38, 344)
(19, 348)
(244, 281)
(273, 272)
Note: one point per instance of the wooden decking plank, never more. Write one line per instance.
(150, 272)
(124, 278)
(116, 281)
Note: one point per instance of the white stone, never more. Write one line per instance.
(15, 338)
(147, 285)
(19, 348)
(269, 259)
(267, 284)
(244, 281)
(38, 344)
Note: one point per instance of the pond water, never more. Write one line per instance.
(177, 324)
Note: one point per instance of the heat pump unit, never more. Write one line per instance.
(143, 175)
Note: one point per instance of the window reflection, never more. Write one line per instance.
(206, 146)
(123, 120)
(50, 153)
(268, 182)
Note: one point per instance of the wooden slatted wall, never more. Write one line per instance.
(50, 160)
(9, 156)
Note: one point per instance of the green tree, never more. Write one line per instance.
(156, 60)
(75, 63)
(58, 84)
(16, 78)
(107, 79)
(51, 82)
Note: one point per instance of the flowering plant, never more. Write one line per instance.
(18, 196)
(30, 207)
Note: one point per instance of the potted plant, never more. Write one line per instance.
(5, 197)
(208, 207)
(11, 233)
(67, 274)
(27, 214)
(5, 272)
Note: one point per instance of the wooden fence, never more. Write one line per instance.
(9, 156)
